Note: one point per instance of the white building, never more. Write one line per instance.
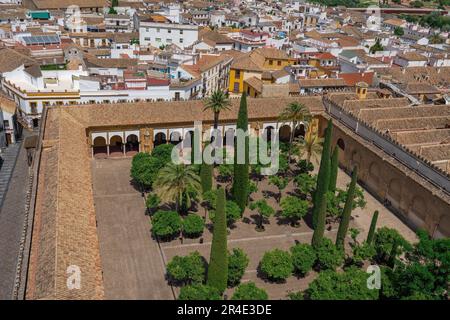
(33, 89)
(159, 34)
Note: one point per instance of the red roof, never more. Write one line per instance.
(324, 55)
(353, 78)
(157, 82)
(255, 34)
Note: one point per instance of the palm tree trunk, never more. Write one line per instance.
(177, 204)
(216, 120)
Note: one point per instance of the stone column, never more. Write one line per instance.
(255, 126)
(146, 140)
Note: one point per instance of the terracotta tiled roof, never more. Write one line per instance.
(353, 78)
(11, 59)
(255, 83)
(316, 83)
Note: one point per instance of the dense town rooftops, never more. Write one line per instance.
(62, 4)
(437, 76)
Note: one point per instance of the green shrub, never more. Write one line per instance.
(166, 224)
(362, 253)
(348, 285)
(264, 211)
(299, 295)
(277, 264)
(232, 211)
(198, 292)
(237, 263)
(193, 225)
(210, 198)
(328, 255)
(306, 183)
(303, 257)
(249, 291)
(305, 166)
(294, 208)
(152, 201)
(385, 239)
(188, 269)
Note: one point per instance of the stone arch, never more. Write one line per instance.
(268, 132)
(99, 147)
(443, 223)
(284, 133)
(160, 138)
(132, 144)
(188, 138)
(300, 130)
(341, 144)
(417, 211)
(229, 137)
(373, 179)
(115, 145)
(175, 137)
(394, 192)
(355, 160)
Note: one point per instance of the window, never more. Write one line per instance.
(169, 40)
(279, 63)
(6, 124)
(157, 30)
(158, 39)
(181, 31)
(237, 74)
(181, 40)
(270, 62)
(147, 39)
(169, 30)
(236, 87)
(45, 103)
(33, 107)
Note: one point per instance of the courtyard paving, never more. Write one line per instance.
(133, 263)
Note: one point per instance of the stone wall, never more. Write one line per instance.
(417, 202)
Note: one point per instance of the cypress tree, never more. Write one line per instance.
(218, 261)
(334, 169)
(241, 171)
(323, 180)
(345, 219)
(373, 225)
(393, 254)
(206, 177)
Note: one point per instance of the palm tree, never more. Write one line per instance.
(296, 113)
(175, 182)
(311, 145)
(436, 39)
(217, 102)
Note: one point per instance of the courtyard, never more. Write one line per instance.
(133, 262)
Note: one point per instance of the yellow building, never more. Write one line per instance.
(254, 64)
